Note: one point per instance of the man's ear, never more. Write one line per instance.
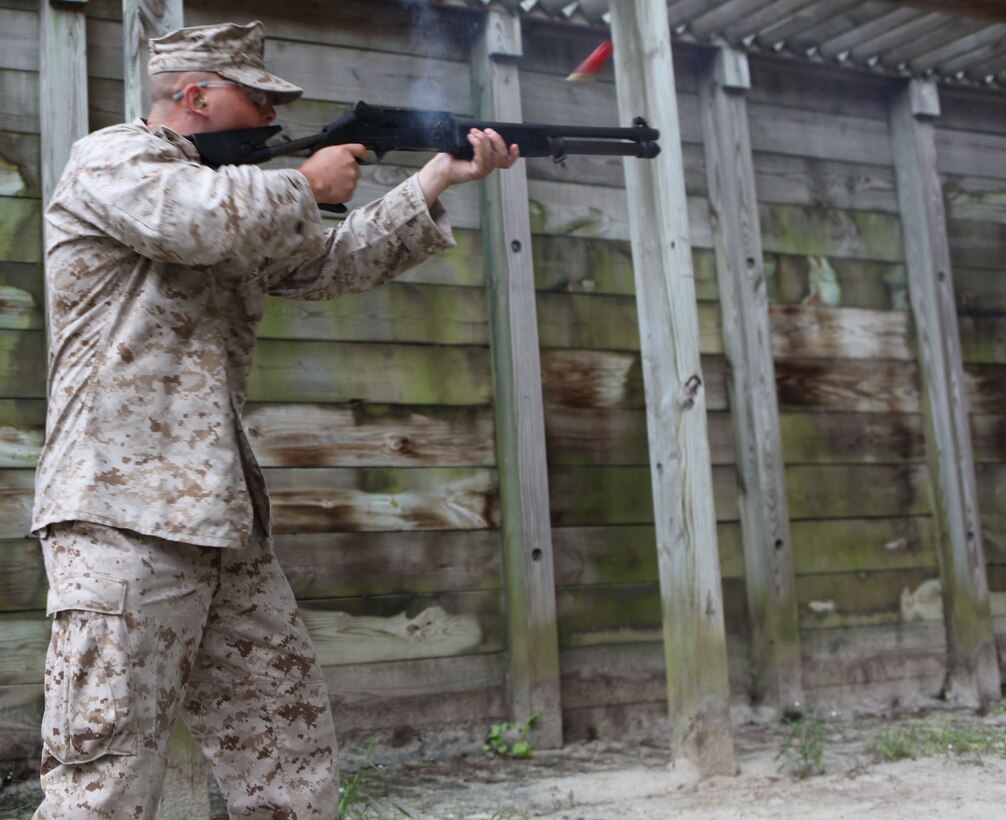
(194, 100)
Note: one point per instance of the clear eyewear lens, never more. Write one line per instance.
(255, 96)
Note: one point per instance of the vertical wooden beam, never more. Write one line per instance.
(141, 20)
(62, 86)
(520, 427)
(62, 90)
(973, 672)
(764, 508)
(694, 639)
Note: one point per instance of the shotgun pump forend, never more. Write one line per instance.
(407, 129)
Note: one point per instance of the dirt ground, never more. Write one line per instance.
(958, 771)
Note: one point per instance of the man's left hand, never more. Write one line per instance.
(443, 171)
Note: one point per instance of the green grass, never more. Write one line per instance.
(915, 740)
(364, 787)
(802, 753)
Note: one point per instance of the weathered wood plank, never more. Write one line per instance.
(829, 281)
(24, 638)
(365, 435)
(405, 697)
(461, 265)
(969, 153)
(865, 598)
(988, 437)
(21, 296)
(849, 491)
(977, 244)
(985, 387)
(818, 89)
(19, 39)
(339, 565)
(529, 583)
(860, 659)
(417, 30)
(22, 364)
(386, 78)
(840, 333)
(20, 229)
(299, 371)
(971, 109)
(595, 436)
(397, 312)
(795, 180)
(974, 198)
(23, 582)
(17, 491)
(377, 629)
(583, 265)
(973, 671)
(809, 231)
(598, 322)
(627, 554)
(22, 429)
(801, 132)
(863, 544)
(587, 378)
(604, 676)
(393, 498)
(983, 339)
(21, 710)
(105, 103)
(20, 169)
(863, 386)
(19, 102)
(343, 631)
(830, 438)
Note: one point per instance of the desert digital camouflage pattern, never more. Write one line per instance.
(145, 630)
(157, 270)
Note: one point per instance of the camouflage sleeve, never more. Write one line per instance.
(146, 195)
(376, 243)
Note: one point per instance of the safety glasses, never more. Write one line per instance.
(256, 96)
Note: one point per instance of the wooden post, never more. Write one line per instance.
(764, 508)
(62, 89)
(698, 691)
(62, 86)
(520, 426)
(973, 672)
(141, 20)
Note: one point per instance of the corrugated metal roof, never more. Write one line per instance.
(959, 42)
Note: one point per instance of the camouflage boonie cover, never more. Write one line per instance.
(157, 270)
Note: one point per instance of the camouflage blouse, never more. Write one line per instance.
(157, 271)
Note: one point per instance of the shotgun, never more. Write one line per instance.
(409, 129)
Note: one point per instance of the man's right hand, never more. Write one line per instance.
(333, 172)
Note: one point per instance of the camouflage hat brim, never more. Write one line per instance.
(282, 91)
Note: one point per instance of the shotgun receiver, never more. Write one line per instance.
(406, 129)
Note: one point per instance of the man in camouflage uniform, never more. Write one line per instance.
(167, 599)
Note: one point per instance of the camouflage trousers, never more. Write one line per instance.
(145, 630)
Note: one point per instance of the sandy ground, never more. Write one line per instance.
(598, 780)
(591, 781)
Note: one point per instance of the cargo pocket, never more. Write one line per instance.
(87, 671)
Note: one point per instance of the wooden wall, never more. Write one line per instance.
(22, 379)
(374, 415)
(848, 386)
